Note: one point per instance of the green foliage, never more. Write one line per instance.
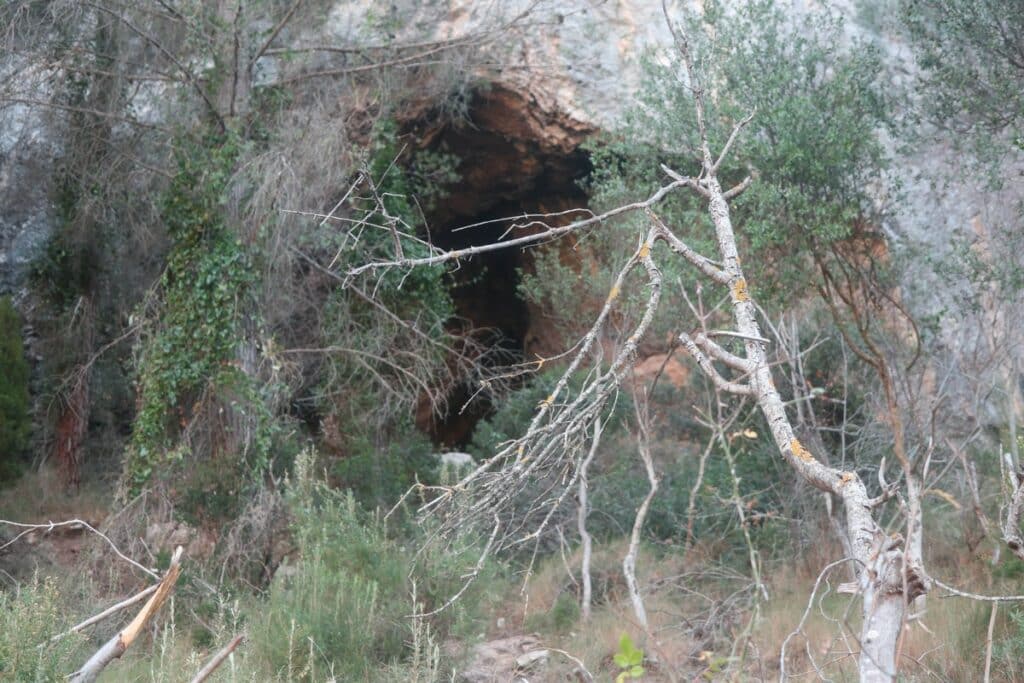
(972, 70)
(378, 475)
(192, 341)
(15, 421)
(343, 609)
(1008, 653)
(813, 148)
(29, 617)
(629, 659)
(619, 481)
(562, 616)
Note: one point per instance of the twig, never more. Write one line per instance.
(119, 644)
(975, 596)
(988, 642)
(50, 526)
(113, 609)
(218, 659)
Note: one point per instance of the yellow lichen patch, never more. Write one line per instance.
(739, 291)
(546, 403)
(614, 294)
(846, 478)
(799, 451)
(645, 250)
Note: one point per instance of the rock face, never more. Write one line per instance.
(26, 212)
(563, 71)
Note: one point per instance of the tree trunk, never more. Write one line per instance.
(882, 587)
(581, 522)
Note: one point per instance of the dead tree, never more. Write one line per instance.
(554, 447)
(885, 583)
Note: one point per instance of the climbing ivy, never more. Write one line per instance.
(191, 342)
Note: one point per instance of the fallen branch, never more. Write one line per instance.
(116, 646)
(73, 524)
(138, 597)
(218, 659)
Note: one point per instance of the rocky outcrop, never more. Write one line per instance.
(517, 658)
(26, 213)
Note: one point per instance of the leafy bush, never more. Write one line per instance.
(1009, 652)
(29, 617)
(343, 609)
(377, 477)
(562, 616)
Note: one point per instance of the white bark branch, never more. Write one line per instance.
(885, 588)
(581, 523)
(113, 609)
(708, 367)
(525, 240)
(718, 353)
(629, 561)
(116, 646)
(704, 264)
(218, 659)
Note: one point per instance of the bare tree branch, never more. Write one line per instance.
(117, 645)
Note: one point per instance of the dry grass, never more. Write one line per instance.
(947, 644)
(40, 496)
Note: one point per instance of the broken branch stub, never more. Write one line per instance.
(119, 644)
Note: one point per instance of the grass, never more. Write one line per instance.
(40, 496)
(340, 610)
(693, 640)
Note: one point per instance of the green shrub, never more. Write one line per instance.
(29, 617)
(562, 616)
(14, 400)
(1009, 652)
(377, 477)
(343, 609)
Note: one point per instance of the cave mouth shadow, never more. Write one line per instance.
(514, 159)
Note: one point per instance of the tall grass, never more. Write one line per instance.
(353, 606)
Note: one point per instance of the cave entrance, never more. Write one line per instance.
(517, 156)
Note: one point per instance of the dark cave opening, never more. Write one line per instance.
(516, 157)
